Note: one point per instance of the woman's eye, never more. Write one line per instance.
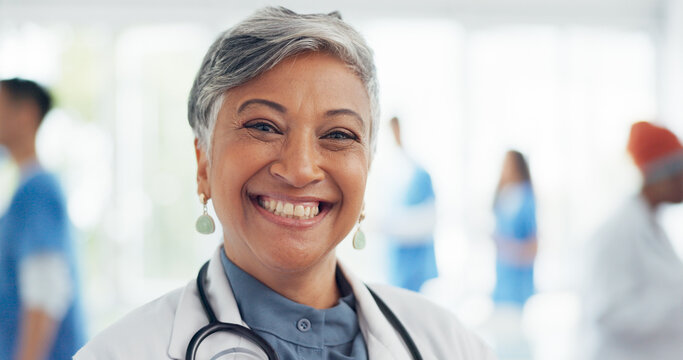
(340, 135)
(262, 126)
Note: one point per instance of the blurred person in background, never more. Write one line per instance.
(40, 314)
(514, 208)
(284, 109)
(633, 298)
(409, 219)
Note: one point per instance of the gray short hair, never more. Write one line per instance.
(262, 41)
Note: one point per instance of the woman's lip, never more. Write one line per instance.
(291, 222)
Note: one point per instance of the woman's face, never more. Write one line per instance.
(290, 159)
(510, 174)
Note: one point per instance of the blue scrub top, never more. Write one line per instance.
(297, 331)
(36, 222)
(515, 211)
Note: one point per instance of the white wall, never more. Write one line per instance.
(671, 96)
(671, 64)
(126, 11)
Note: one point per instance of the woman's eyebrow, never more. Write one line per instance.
(350, 112)
(271, 104)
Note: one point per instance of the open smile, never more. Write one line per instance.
(300, 212)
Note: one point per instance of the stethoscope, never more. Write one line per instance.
(215, 326)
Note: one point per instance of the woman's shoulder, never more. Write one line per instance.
(144, 331)
(432, 324)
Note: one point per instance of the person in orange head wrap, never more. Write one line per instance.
(633, 295)
(659, 156)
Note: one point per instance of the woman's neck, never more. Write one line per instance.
(23, 153)
(315, 286)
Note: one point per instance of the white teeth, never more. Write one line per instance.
(289, 210)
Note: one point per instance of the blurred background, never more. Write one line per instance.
(559, 80)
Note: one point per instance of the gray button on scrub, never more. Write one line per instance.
(303, 325)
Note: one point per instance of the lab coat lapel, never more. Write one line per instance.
(381, 339)
(190, 316)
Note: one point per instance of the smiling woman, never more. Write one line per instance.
(294, 145)
(284, 109)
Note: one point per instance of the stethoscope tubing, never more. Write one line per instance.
(215, 326)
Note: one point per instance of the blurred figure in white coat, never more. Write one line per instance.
(633, 299)
(410, 220)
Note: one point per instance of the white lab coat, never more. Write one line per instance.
(633, 298)
(163, 328)
(405, 225)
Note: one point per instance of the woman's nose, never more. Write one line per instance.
(299, 162)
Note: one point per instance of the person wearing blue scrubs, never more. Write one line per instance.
(410, 222)
(515, 234)
(40, 312)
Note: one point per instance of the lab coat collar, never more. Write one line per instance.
(648, 218)
(382, 341)
(645, 212)
(190, 316)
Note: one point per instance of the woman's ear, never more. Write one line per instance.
(203, 186)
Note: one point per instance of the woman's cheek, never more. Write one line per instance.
(352, 177)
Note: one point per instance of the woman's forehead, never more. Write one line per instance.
(315, 81)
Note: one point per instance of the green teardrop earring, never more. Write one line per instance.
(359, 236)
(205, 224)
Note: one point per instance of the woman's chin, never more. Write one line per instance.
(293, 260)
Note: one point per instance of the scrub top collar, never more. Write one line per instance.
(29, 170)
(266, 310)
